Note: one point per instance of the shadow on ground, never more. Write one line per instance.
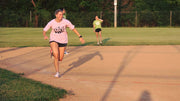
(126, 60)
(145, 96)
(83, 60)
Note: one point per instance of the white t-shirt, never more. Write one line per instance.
(59, 33)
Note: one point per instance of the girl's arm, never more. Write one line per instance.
(101, 20)
(80, 37)
(45, 36)
(46, 28)
(94, 27)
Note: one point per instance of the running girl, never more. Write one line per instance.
(58, 37)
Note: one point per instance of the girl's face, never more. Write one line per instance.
(64, 11)
(96, 18)
(59, 15)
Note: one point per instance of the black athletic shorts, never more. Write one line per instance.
(98, 30)
(60, 44)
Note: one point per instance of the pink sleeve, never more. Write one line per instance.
(70, 25)
(47, 27)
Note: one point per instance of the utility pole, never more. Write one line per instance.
(115, 13)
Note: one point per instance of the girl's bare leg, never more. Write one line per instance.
(97, 37)
(55, 49)
(100, 37)
(65, 52)
(61, 51)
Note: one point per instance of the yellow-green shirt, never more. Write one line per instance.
(64, 16)
(97, 23)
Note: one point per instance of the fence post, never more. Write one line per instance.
(30, 17)
(100, 14)
(136, 20)
(170, 18)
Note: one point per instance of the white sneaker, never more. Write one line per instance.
(57, 75)
(97, 43)
(66, 53)
(101, 42)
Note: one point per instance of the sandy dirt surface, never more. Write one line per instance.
(103, 73)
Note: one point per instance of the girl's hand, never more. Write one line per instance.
(45, 38)
(82, 40)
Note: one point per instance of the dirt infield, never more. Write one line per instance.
(103, 73)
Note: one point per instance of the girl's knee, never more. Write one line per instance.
(60, 59)
(56, 56)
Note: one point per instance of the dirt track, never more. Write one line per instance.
(104, 73)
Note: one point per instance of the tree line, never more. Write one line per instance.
(36, 13)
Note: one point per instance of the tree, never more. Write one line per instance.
(36, 13)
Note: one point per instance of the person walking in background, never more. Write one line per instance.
(58, 37)
(64, 13)
(97, 29)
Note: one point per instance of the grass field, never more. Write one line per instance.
(32, 37)
(13, 87)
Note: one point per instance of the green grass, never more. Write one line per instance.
(13, 87)
(26, 37)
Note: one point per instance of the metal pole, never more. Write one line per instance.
(115, 13)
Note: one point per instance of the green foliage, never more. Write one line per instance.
(45, 16)
(16, 13)
(157, 5)
(176, 18)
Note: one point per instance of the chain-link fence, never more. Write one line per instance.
(85, 19)
(149, 18)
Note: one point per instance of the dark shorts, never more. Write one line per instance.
(60, 44)
(98, 30)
